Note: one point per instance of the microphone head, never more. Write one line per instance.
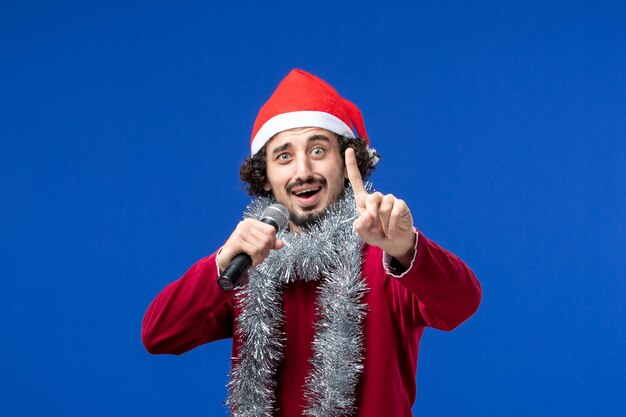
(278, 214)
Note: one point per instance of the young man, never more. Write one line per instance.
(330, 320)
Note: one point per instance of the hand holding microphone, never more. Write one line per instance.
(250, 244)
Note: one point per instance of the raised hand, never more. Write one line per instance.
(384, 220)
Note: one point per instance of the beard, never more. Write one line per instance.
(307, 219)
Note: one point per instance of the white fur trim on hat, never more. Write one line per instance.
(291, 120)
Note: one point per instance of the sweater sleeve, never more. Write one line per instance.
(446, 290)
(189, 312)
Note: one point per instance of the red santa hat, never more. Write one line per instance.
(304, 100)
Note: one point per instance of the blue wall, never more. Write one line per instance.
(122, 125)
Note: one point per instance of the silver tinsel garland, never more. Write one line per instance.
(329, 251)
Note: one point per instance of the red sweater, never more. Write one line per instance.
(438, 290)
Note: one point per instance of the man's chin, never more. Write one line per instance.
(305, 218)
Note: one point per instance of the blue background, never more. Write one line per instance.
(123, 124)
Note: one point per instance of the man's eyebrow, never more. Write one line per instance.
(313, 138)
(281, 148)
(318, 137)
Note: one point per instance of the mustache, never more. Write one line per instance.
(309, 180)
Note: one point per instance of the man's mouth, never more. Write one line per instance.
(307, 195)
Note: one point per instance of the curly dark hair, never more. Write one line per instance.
(253, 170)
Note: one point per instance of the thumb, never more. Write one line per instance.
(279, 244)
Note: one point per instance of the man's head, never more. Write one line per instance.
(304, 169)
(298, 144)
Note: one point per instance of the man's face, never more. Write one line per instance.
(305, 172)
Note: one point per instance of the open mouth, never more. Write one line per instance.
(308, 192)
(308, 195)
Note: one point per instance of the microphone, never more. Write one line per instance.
(275, 215)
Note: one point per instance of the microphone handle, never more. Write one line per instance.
(234, 271)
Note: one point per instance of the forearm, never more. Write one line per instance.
(447, 290)
(188, 312)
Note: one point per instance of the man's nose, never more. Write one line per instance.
(303, 167)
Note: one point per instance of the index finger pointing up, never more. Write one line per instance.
(354, 176)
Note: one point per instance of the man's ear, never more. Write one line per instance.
(267, 186)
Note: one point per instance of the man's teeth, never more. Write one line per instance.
(312, 190)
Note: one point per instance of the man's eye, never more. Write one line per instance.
(283, 157)
(317, 151)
